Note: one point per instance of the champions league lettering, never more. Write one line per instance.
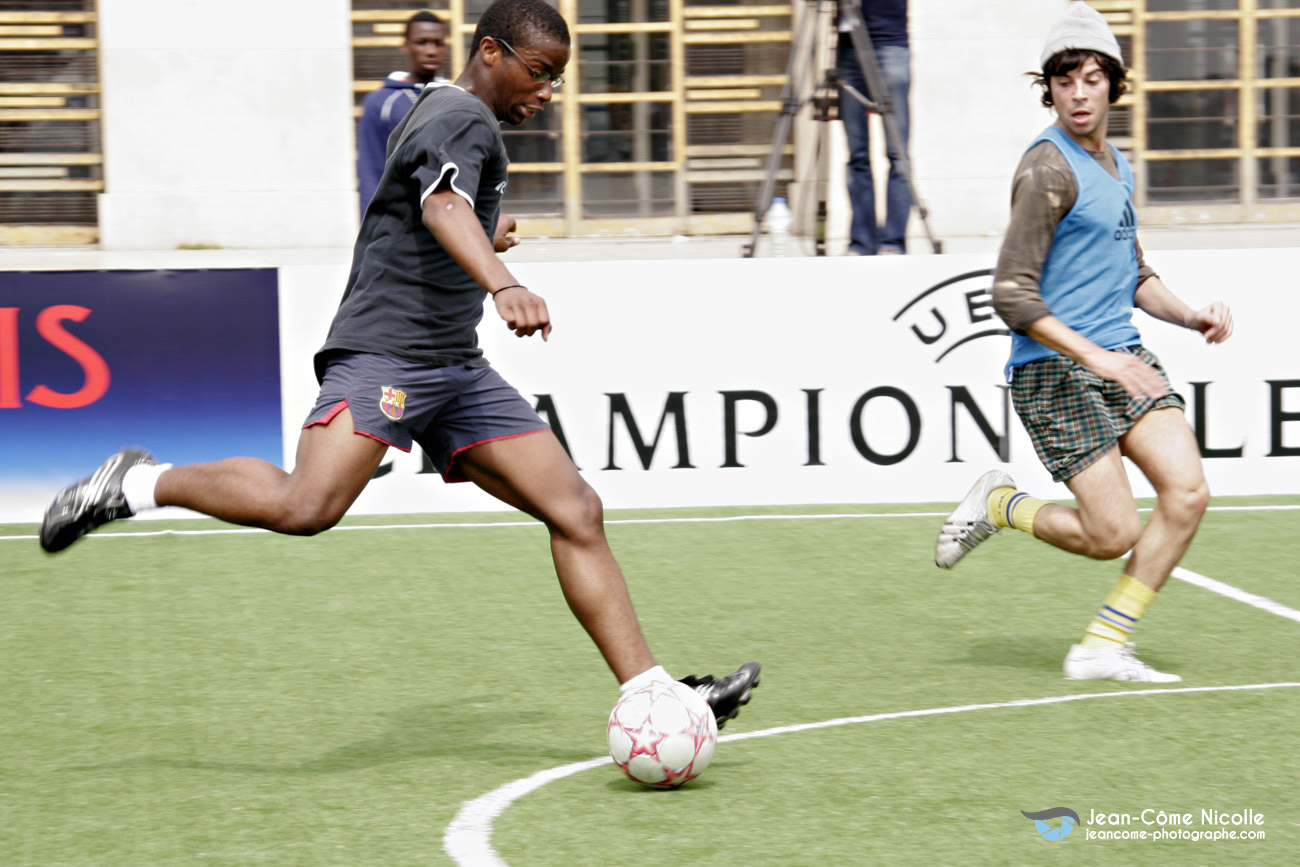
(960, 311)
(992, 418)
(673, 425)
(942, 319)
(672, 430)
(49, 325)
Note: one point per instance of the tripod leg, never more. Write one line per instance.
(798, 69)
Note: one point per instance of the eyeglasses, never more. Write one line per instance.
(536, 74)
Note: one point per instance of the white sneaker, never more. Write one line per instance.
(969, 523)
(1112, 662)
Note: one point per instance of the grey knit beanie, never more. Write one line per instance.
(1082, 28)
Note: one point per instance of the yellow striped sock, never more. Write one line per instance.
(1119, 616)
(1011, 508)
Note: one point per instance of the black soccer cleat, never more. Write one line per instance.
(91, 502)
(726, 696)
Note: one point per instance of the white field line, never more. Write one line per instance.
(237, 531)
(468, 839)
(1210, 584)
(1236, 593)
(725, 519)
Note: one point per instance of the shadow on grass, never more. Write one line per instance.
(621, 785)
(1035, 654)
(420, 732)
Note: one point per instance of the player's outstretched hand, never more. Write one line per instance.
(524, 312)
(502, 239)
(1215, 322)
(1138, 379)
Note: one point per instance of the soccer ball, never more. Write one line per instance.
(662, 735)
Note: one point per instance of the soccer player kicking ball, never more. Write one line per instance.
(1088, 392)
(401, 362)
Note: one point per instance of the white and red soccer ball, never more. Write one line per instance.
(662, 735)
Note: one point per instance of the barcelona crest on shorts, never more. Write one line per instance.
(392, 402)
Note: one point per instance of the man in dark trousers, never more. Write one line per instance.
(886, 22)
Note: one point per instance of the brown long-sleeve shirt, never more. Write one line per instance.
(1043, 192)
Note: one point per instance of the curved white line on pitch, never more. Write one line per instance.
(468, 839)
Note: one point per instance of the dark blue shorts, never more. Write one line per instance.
(445, 409)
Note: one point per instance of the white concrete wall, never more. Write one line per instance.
(973, 110)
(227, 123)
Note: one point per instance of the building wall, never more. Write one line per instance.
(230, 124)
(227, 124)
(973, 111)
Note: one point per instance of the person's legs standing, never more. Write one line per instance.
(895, 67)
(861, 185)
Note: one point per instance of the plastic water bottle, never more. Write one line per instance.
(779, 223)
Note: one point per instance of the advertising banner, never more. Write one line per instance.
(836, 380)
(185, 363)
(672, 383)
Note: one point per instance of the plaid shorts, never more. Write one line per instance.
(1074, 416)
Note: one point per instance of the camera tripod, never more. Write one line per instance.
(796, 93)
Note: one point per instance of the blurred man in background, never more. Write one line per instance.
(425, 48)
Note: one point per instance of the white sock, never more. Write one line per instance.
(645, 678)
(138, 485)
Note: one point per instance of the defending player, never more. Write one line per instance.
(1088, 392)
(401, 362)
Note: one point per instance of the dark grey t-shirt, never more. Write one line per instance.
(406, 296)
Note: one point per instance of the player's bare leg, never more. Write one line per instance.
(534, 474)
(1163, 446)
(332, 467)
(1105, 524)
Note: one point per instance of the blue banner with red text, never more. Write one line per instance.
(183, 363)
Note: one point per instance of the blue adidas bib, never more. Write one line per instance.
(1090, 275)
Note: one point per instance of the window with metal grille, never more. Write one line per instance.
(51, 166)
(662, 124)
(1216, 125)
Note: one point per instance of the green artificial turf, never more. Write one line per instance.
(249, 699)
